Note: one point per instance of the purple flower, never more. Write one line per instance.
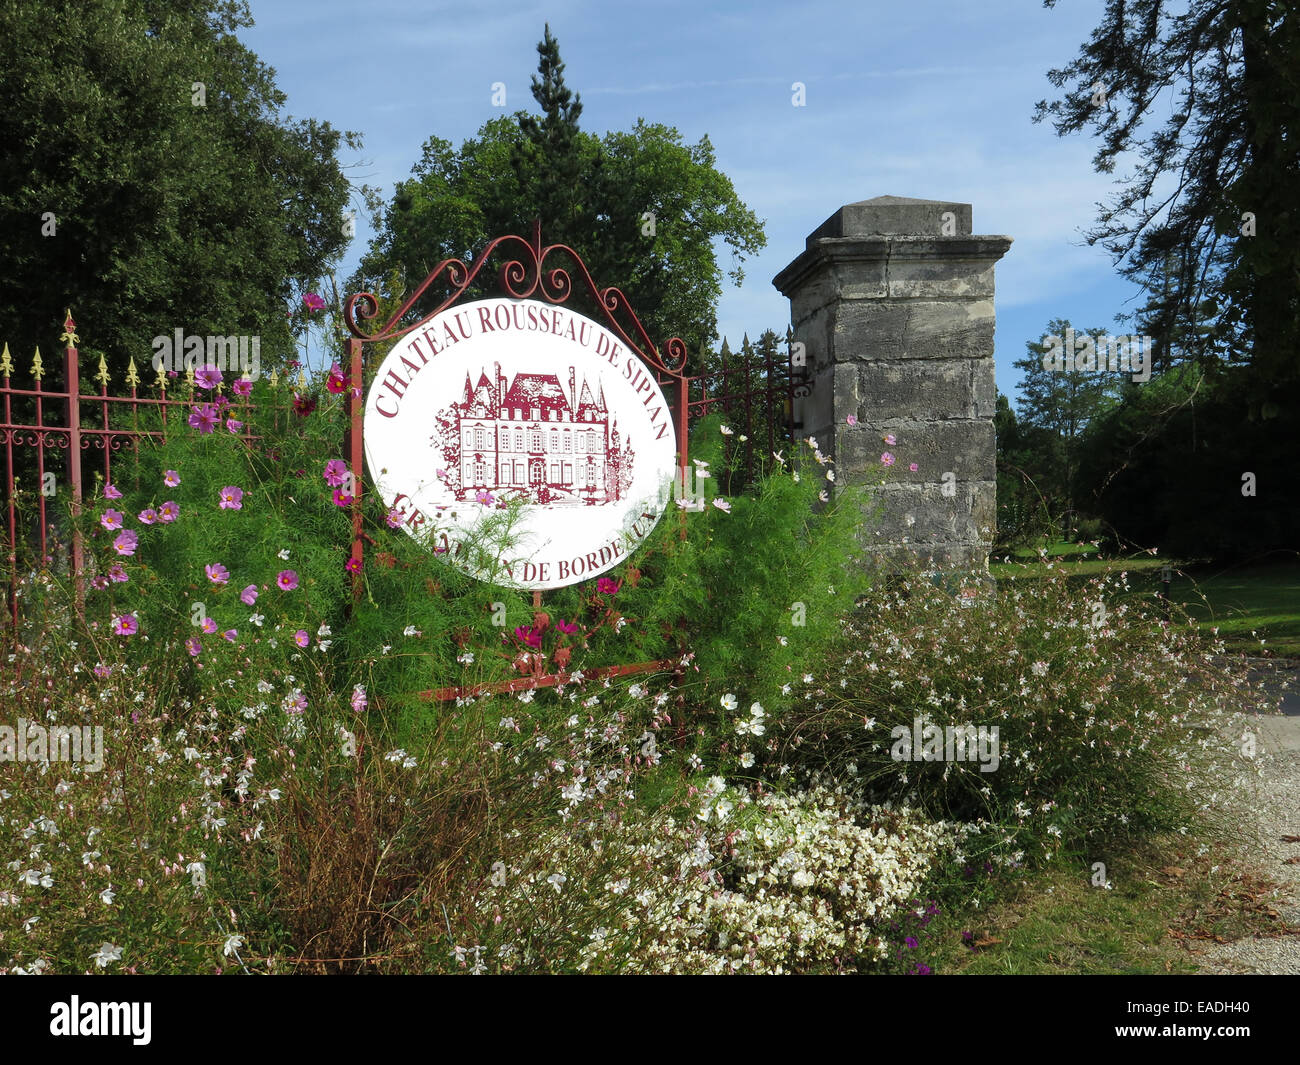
(565, 626)
(910, 943)
(111, 493)
(301, 638)
(169, 511)
(485, 497)
(209, 626)
(204, 418)
(336, 470)
(171, 478)
(126, 542)
(606, 587)
(126, 625)
(341, 498)
(149, 516)
(393, 518)
(231, 498)
(207, 376)
(217, 573)
(111, 520)
(117, 574)
(231, 635)
(194, 645)
(286, 580)
(242, 388)
(313, 302)
(233, 425)
(886, 459)
(249, 595)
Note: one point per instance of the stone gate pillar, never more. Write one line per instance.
(892, 299)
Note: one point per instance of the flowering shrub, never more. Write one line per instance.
(778, 883)
(1111, 721)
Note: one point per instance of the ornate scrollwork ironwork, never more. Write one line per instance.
(522, 277)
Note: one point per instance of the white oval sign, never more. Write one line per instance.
(503, 400)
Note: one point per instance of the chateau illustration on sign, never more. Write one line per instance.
(508, 400)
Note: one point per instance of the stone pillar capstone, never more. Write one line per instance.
(892, 299)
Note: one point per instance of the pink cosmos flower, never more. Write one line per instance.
(232, 498)
(341, 498)
(209, 626)
(101, 670)
(233, 425)
(889, 439)
(242, 388)
(295, 702)
(171, 478)
(359, 700)
(301, 638)
(567, 626)
(231, 634)
(111, 493)
(149, 516)
(249, 595)
(606, 587)
(722, 505)
(353, 565)
(440, 473)
(204, 418)
(914, 467)
(336, 382)
(126, 625)
(99, 584)
(207, 376)
(528, 636)
(117, 574)
(313, 302)
(111, 520)
(852, 419)
(886, 459)
(336, 470)
(194, 645)
(393, 519)
(169, 511)
(286, 580)
(217, 573)
(485, 497)
(126, 543)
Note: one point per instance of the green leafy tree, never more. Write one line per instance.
(1055, 409)
(150, 182)
(642, 208)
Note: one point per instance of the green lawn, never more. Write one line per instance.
(1248, 603)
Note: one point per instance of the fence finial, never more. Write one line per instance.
(69, 334)
(132, 378)
(102, 376)
(161, 382)
(275, 378)
(6, 364)
(38, 367)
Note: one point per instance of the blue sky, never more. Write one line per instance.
(928, 98)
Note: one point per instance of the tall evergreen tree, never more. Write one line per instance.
(1209, 214)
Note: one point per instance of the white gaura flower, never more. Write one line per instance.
(107, 895)
(283, 554)
(728, 701)
(746, 759)
(232, 944)
(106, 953)
(726, 430)
(557, 881)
